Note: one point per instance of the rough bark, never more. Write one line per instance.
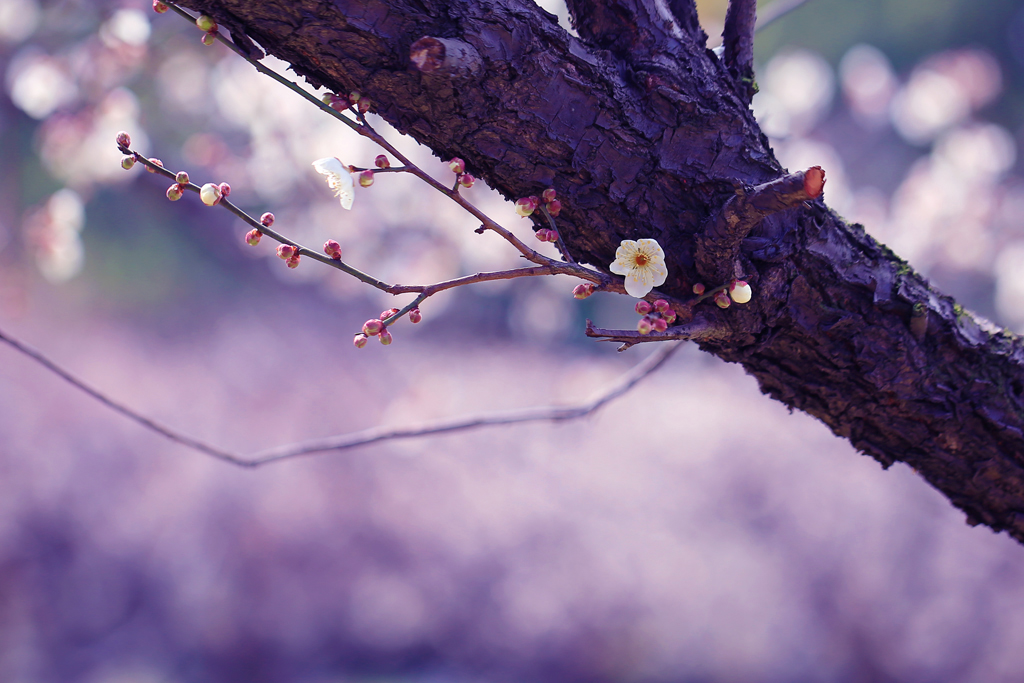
(645, 133)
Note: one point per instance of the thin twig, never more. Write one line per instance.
(366, 436)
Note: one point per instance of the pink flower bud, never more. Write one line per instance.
(643, 307)
(209, 38)
(548, 195)
(267, 219)
(525, 206)
(722, 299)
(354, 96)
(210, 194)
(181, 178)
(388, 313)
(364, 106)
(127, 162)
(372, 327)
(332, 249)
(155, 162)
(541, 234)
(669, 316)
(252, 238)
(360, 341)
(457, 165)
(555, 208)
(382, 161)
(582, 291)
(661, 306)
(644, 326)
(286, 251)
(698, 289)
(366, 178)
(385, 337)
(123, 139)
(293, 262)
(337, 102)
(739, 291)
(206, 23)
(159, 7)
(466, 180)
(415, 316)
(659, 325)
(225, 189)
(174, 192)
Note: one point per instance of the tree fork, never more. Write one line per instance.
(655, 144)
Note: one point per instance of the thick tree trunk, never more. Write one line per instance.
(646, 133)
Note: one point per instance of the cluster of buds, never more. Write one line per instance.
(361, 103)
(458, 167)
(212, 193)
(332, 249)
(289, 253)
(546, 235)
(527, 205)
(582, 291)
(208, 26)
(656, 317)
(737, 291)
(375, 327)
(336, 102)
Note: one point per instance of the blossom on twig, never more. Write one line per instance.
(339, 178)
(642, 262)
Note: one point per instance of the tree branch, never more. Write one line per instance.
(738, 41)
(366, 436)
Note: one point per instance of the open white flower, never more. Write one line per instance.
(339, 178)
(643, 264)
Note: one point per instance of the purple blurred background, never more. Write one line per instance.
(692, 531)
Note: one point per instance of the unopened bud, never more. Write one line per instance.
(659, 325)
(159, 7)
(209, 38)
(541, 234)
(354, 96)
(457, 165)
(225, 189)
(644, 326)
(366, 178)
(286, 251)
(181, 178)
(267, 219)
(385, 337)
(415, 316)
(388, 313)
(371, 328)
(360, 340)
(293, 262)
(698, 289)
(661, 306)
(525, 206)
(155, 162)
(337, 102)
(739, 291)
(124, 140)
(206, 23)
(364, 106)
(210, 194)
(174, 192)
(127, 162)
(643, 307)
(554, 208)
(722, 299)
(548, 195)
(669, 316)
(582, 291)
(382, 161)
(252, 238)
(332, 249)
(466, 180)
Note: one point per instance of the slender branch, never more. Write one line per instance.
(738, 40)
(699, 330)
(366, 436)
(718, 247)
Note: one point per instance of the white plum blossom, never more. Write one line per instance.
(339, 178)
(642, 262)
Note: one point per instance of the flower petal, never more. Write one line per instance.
(659, 273)
(637, 285)
(329, 166)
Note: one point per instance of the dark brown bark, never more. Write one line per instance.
(645, 133)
